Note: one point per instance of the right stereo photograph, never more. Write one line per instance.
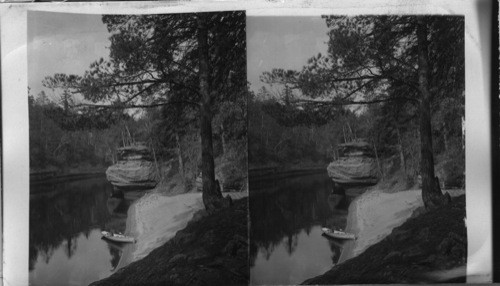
(356, 146)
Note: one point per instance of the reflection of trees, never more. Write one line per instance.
(335, 247)
(291, 244)
(116, 251)
(71, 246)
(291, 206)
(60, 217)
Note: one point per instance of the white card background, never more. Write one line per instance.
(15, 105)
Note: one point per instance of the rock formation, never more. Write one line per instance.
(134, 169)
(356, 165)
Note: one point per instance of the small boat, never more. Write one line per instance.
(117, 237)
(338, 234)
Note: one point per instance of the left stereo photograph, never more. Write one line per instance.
(138, 149)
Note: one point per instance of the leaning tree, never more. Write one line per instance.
(196, 60)
(418, 60)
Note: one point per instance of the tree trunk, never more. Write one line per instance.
(351, 136)
(401, 152)
(431, 192)
(262, 128)
(223, 138)
(445, 138)
(179, 158)
(158, 174)
(130, 139)
(212, 196)
(381, 173)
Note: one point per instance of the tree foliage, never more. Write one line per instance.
(60, 142)
(193, 59)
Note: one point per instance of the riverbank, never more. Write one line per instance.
(276, 171)
(404, 247)
(373, 215)
(210, 250)
(54, 176)
(155, 219)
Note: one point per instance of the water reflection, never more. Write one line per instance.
(286, 218)
(65, 223)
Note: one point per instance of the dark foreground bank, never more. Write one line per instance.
(211, 250)
(435, 240)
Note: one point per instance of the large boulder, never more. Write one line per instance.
(135, 152)
(134, 170)
(136, 174)
(355, 166)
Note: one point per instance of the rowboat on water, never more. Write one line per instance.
(117, 237)
(338, 234)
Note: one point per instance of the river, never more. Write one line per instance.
(286, 245)
(66, 220)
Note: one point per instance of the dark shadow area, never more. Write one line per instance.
(495, 125)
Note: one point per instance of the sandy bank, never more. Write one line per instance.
(156, 219)
(434, 242)
(212, 250)
(373, 215)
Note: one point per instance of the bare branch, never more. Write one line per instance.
(110, 106)
(351, 102)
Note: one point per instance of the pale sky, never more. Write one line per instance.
(282, 42)
(63, 43)
(68, 43)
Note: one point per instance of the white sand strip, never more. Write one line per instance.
(373, 215)
(154, 219)
(157, 218)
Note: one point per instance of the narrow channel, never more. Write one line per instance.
(287, 246)
(66, 220)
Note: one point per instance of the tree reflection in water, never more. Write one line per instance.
(116, 251)
(281, 209)
(61, 213)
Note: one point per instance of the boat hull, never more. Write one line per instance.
(338, 234)
(117, 237)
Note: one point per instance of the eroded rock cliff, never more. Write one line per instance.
(134, 169)
(356, 165)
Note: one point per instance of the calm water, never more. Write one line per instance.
(65, 224)
(286, 219)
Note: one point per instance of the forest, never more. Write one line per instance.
(73, 143)
(394, 82)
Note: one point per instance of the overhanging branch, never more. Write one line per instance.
(110, 106)
(352, 102)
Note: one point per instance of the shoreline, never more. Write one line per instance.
(126, 257)
(41, 180)
(429, 247)
(217, 244)
(351, 227)
(276, 172)
(373, 215)
(155, 218)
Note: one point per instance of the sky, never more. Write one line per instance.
(69, 43)
(63, 43)
(282, 42)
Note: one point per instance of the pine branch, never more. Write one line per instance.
(120, 106)
(351, 102)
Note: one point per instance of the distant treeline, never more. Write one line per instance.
(64, 140)
(52, 147)
(287, 135)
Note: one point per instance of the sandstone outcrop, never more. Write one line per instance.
(356, 165)
(134, 169)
